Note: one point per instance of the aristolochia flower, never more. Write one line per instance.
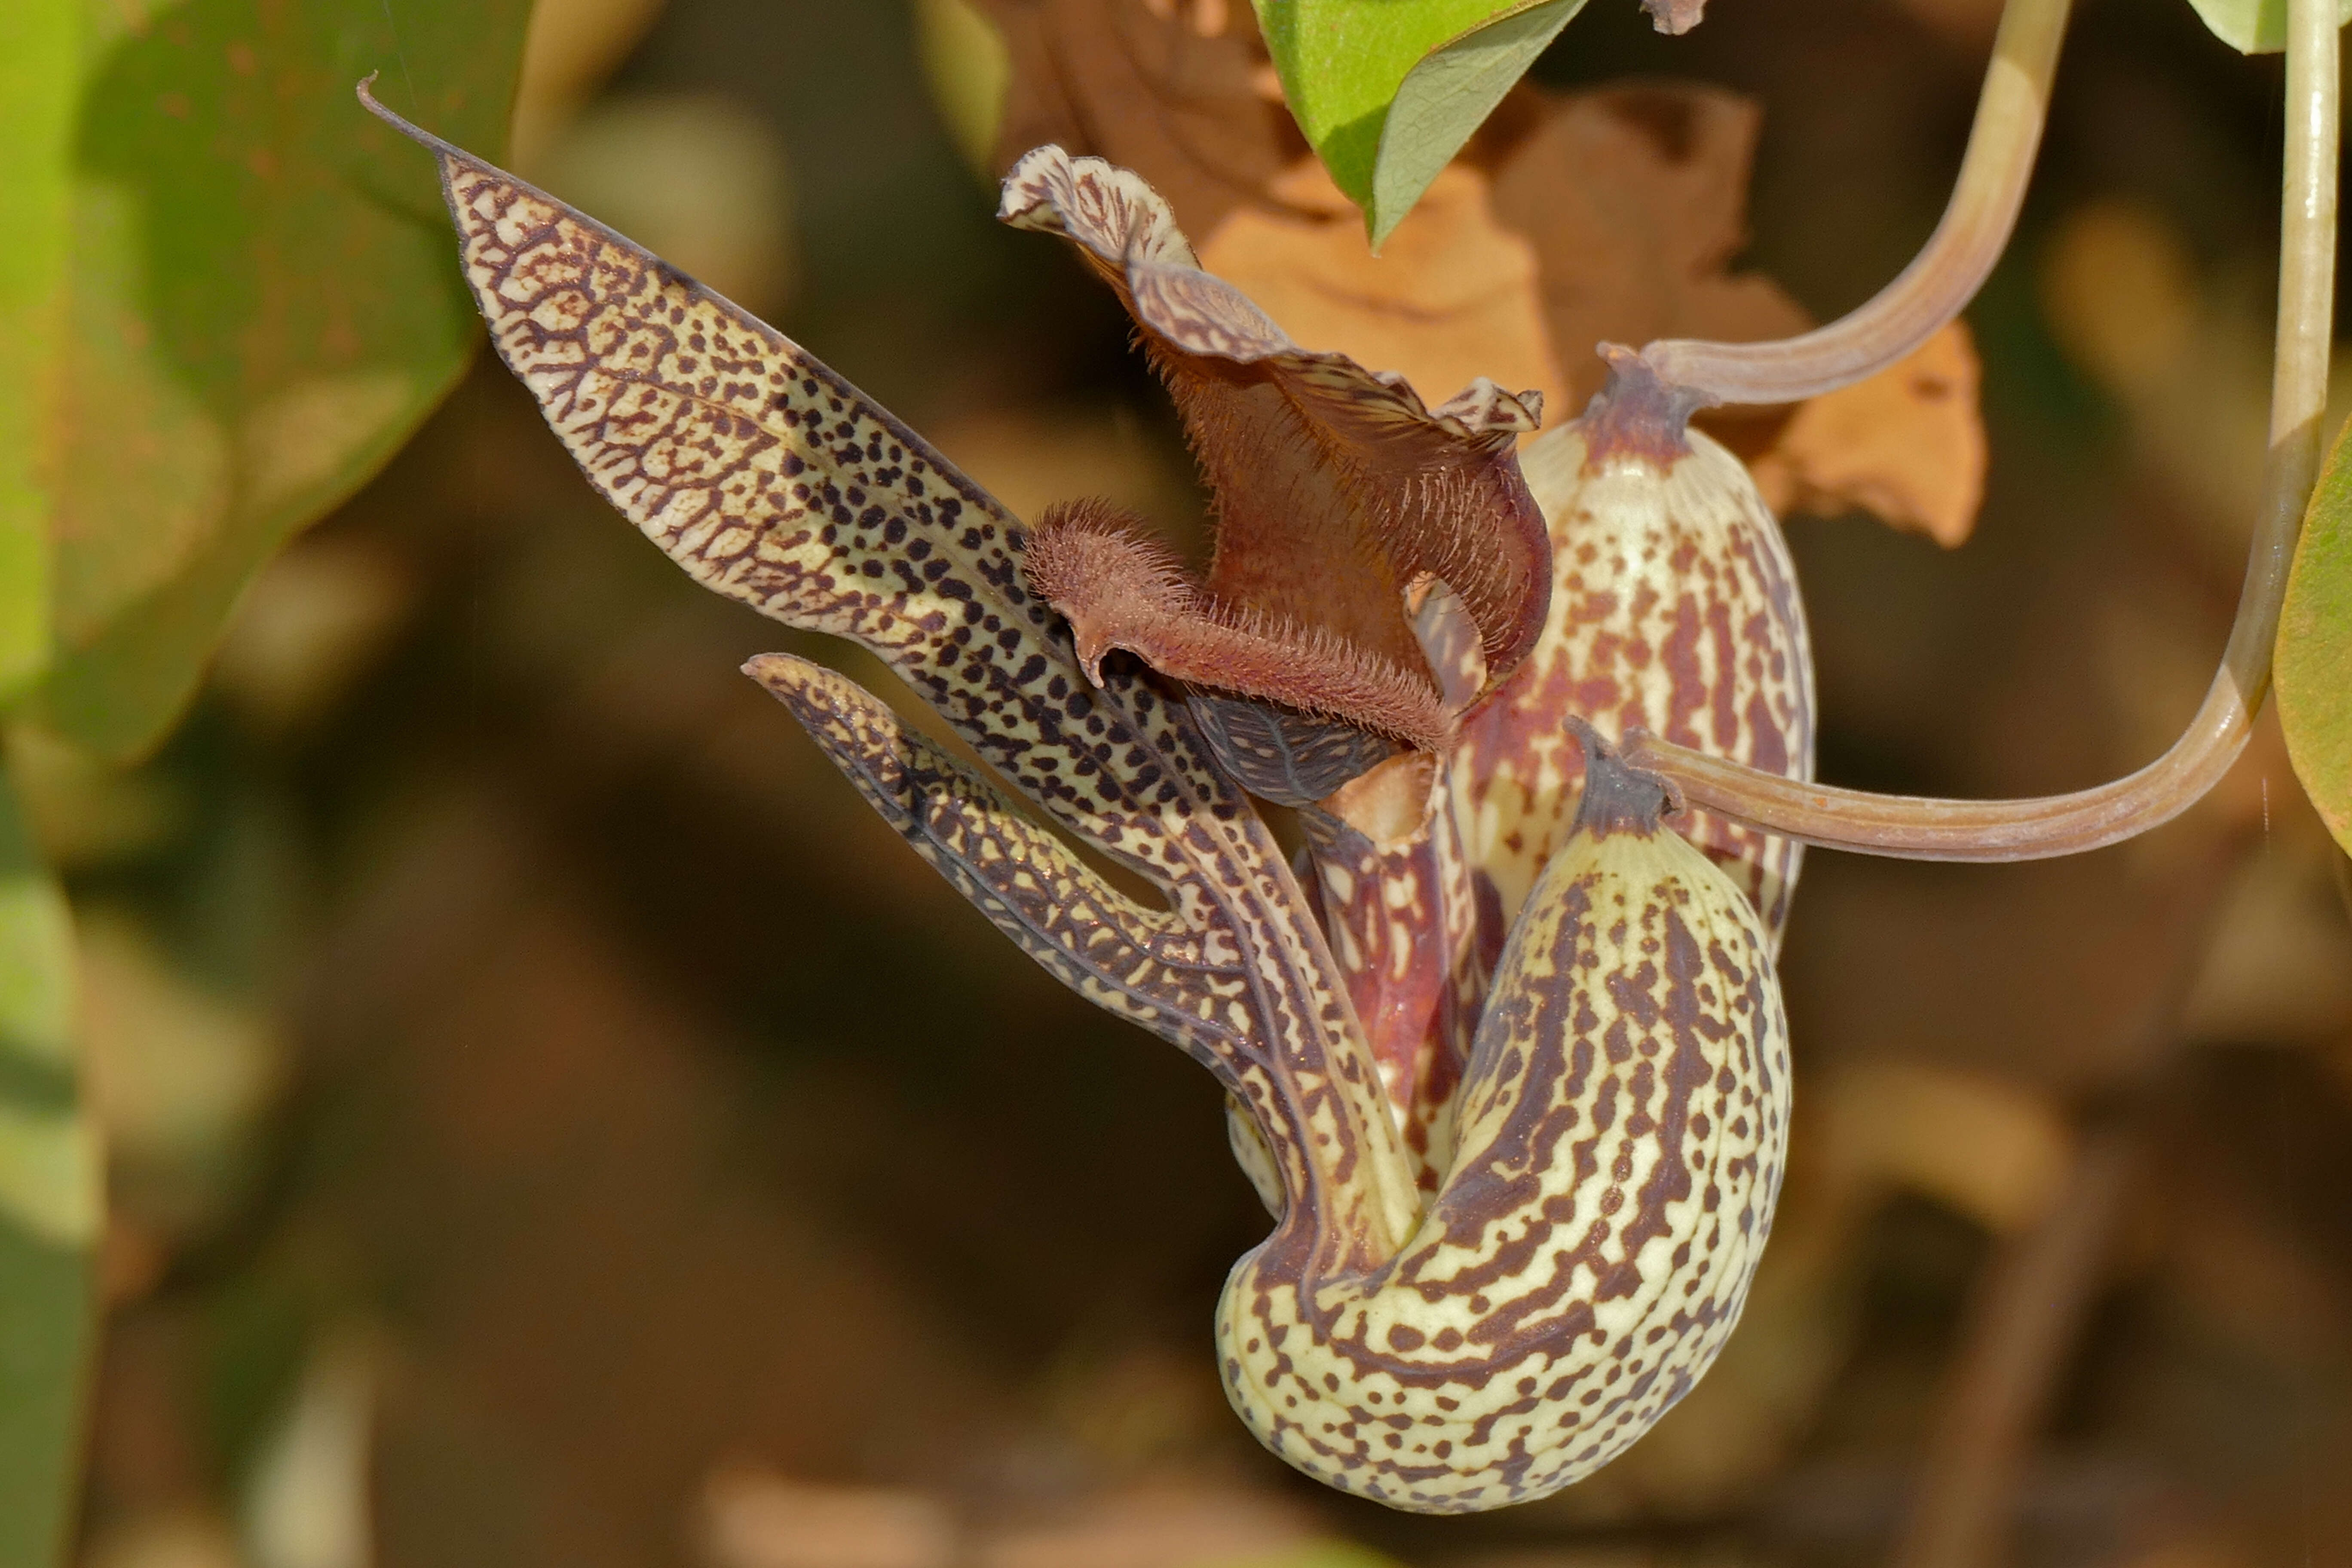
(1521, 1160)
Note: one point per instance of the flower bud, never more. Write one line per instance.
(1673, 609)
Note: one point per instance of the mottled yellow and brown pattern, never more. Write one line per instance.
(771, 479)
(1450, 1314)
(1619, 1145)
(1673, 609)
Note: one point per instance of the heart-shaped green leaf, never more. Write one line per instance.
(49, 1168)
(2314, 648)
(259, 311)
(223, 302)
(1388, 91)
(2255, 26)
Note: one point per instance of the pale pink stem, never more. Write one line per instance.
(1926, 829)
(1942, 278)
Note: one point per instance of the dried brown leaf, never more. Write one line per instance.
(1178, 93)
(1453, 295)
(1608, 215)
(1635, 199)
(1907, 446)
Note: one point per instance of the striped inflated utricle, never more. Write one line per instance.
(1621, 1133)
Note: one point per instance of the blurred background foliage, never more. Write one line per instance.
(547, 1121)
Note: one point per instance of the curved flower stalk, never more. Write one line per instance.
(1930, 829)
(1948, 272)
(1473, 1317)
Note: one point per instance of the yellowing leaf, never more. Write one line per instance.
(2314, 648)
(259, 315)
(968, 68)
(2253, 27)
(38, 47)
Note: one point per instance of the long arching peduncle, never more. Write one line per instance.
(1948, 272)
(1919, 829)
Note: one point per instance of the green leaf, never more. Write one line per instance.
(2255, 26)
(968, 69)
(2315, 647)
(37, 42)
(49, 1209)
(1388, 91)
(1444, 99)
(261, 311)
